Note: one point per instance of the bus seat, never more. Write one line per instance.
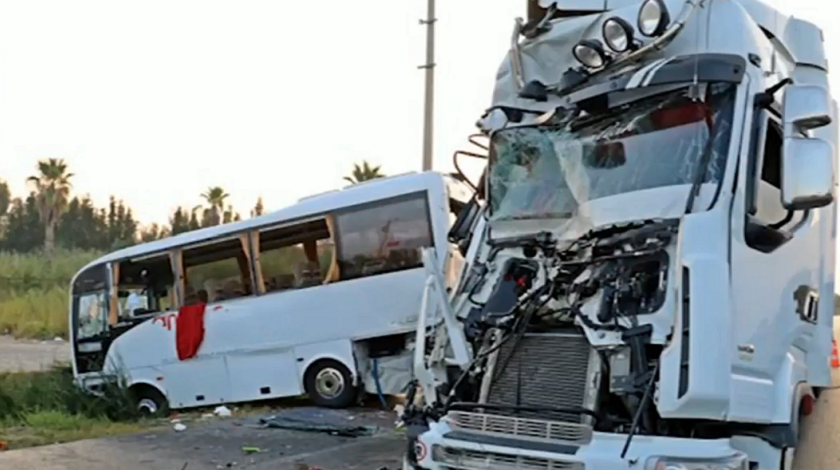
(307, 273)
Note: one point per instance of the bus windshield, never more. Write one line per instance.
(92, 314)
(90, 302)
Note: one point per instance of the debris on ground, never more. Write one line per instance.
(179, 427)
(3, 446)
(251, 450)
(400, 410)
(222, 411)
(295, 424)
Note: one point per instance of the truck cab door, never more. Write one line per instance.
(782, 270)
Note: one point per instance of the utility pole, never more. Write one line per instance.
(429, 66)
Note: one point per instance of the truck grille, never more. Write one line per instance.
(472, 459)
(528, 428)
(553, 370)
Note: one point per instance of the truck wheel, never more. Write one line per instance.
(329, 384)
(149, 402)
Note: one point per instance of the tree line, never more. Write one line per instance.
(51, 216)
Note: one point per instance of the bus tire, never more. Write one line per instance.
(329, 384)
(149, 401)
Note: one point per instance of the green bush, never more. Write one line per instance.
(34, 292)
(46, 407)
(25, 396)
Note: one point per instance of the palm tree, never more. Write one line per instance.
(5, 198)
(52, 192)
(258, 209)
(216, 196)
(362, 173)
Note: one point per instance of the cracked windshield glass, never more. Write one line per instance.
(548, 172)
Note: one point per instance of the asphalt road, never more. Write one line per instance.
(820, 446)
(217, 444)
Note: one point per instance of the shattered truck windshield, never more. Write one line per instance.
(548, 171)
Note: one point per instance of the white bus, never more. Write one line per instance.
(320, 298)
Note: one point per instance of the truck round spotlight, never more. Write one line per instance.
(590, 53)
(653, 18)
(618, 34)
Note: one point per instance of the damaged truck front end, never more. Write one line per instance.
(602, 320)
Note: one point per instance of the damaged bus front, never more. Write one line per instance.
(651, 283)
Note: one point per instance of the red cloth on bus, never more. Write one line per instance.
(189, 330)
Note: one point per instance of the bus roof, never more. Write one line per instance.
(369, 191)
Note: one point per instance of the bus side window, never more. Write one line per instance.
(383, 237)
(220, 269)
(144, 286)
(296, 256)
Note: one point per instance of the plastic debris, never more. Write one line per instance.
(399, 410)
(179, 427)
(222, 411)
(251, 450)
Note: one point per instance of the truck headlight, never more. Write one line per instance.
(738, 462)
(618, 34)
(653, 18)
(591, 53)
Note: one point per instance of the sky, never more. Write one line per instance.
(156, 101)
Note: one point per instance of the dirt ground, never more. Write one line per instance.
(30, 356)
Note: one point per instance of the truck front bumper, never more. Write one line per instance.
(445, 446)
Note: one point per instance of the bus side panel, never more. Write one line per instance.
(264, 373)
(197, 382)
(359, 308)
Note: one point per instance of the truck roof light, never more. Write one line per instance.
(591, 53)
(653, 18)
(618, 34)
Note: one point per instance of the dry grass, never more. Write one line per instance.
(34, 292)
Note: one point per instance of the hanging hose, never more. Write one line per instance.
(378, 385)
(473, 140)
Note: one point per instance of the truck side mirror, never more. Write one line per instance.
(807, 173)
(807, 163)
(805, 107)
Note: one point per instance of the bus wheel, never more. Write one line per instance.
(330, 384)
(148, 401)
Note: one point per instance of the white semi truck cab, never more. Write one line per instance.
(650, 255)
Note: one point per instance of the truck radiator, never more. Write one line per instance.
(552, 370)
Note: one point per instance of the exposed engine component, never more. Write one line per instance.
(530, 327)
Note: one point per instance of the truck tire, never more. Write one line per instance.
(329, 384)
